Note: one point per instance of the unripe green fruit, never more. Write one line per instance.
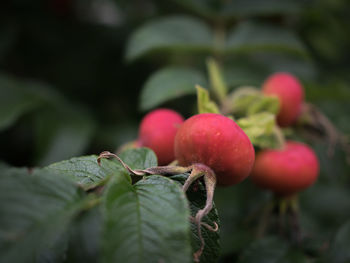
(290, 94)
(286, 171)
(157, 132)
(217, 142)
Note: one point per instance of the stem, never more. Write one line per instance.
(174, 163)
(280, 137)
(313, 118)
(194, 175)
(166, 170)
(199, 170)
(209, 227)
(294, 215)
(219, 39)
(107, 155)
(264, 219)
(92, 202)
(162, 170)
(282, 209)
(210, 183)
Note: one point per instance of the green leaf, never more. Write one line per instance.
(85, 170)
(36, 211)
(87, 173)
(5, 168)
(205, 105)
(252, 70)
(226, 10)
(239, 8)
(244, 72)
(62, 132)
(203, 8)
(169, 83)
(196, 196)
(269, 104)
(339, 250)
(217, 82)
(249, 101)
(261, 130)
(145, 222)
(266, 250)
(239, 101)
(22, 96)
(328, 93)
(85, 236)
(140, 158)
(15, 100)
(249, 36)
(301, 66)
(257, 124)
(176, 33)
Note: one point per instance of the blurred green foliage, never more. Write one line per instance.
(76, 77)
(85, 51)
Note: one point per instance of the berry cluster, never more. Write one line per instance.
(215, 147)
(219, 143)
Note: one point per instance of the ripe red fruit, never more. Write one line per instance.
(219, 143)
(157, 132)
(286, 171)
(290, 94)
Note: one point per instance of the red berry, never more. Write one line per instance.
(286, 171)
(290, 94)
(157, 132)
(219, 143)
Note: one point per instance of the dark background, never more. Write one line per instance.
(77, 48)
(68, 89)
